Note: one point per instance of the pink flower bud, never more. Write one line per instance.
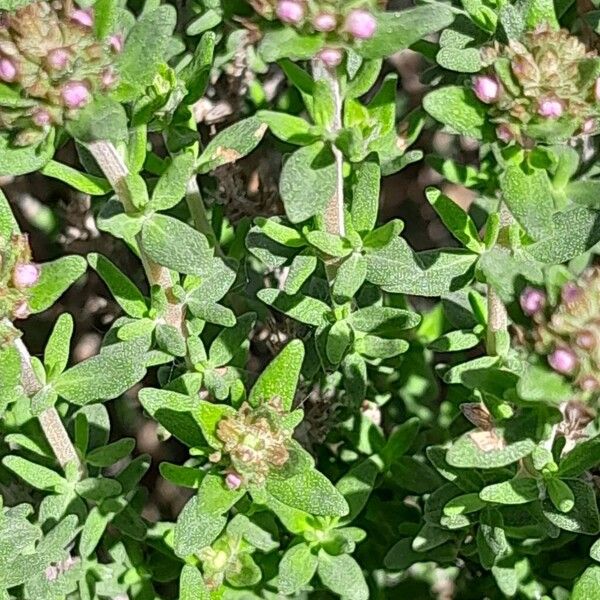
(325, 22)
(586, 340)
(75, 94)
(116, 43)
(108, 78)
(21, 310)
(83, 17)
(25, 275)
(563, 360)
(41, 117)
(58, 59)
(589, 383)
(532, 301)
(504, 133)
(551, 108)
(332, 57)
(588, 126)
(570, 293)
(597, 90)
(8, 69)
(361, 24)
(233, 481)
(290, 11)
(486, 88)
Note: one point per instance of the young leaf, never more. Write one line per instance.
(171, 186)
(110, 454)
(35, 475)
(343, 576)
(515, 491)
(56, 353)
(296, 569)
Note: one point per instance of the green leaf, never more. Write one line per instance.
(575, 231)
(215, 497)
(398, 30)
(98, 488)
(104, 376)
(583, 518)
(88, 184)
(176, 245)
(455, 341)
(56, 353)
(515, 491)
(339, 338)
(231, 144)
(397, 269)
(308, 182)
(101, 119)
(300, 308)
(21, 160)
(486, 450)
(343, 576)
(191, 585)
(459, 109)
(309, 491)
(400, 440)
(229, 341)
(328, 243)
(587, 586)
(175, 412)
(529, 199)
(288, 43)
(583, 457)
(350, 277)
(171, 186)
(8, 223)
(457, 221)
(560, 494)
(289, 128)
(365, 194)
(189, 477)
(463, 505)
(94, 527)
(108, 455)
(121, 287)
(195, 529)
(383, 320)
(55, 278)
(356, 487)
(35, 475)
(280, 233)
(296, 569)
(280, 378)
(538, 384)
(145, 49)
(208, 416)
(302, 267)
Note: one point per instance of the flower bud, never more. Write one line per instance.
(563, 360)
(586, 340)
(325, 22)
(361, 24)
(588, 126)
(504, 133)
(41, 117)
(21, 310)
(233, 481)
(597, 90)
(532, 301)
(58, 59)
(25, 275)
(570, 293)
(551, 108)
(108, 78)
(116, 43)
(290, 11)
(85, 18)
(332, 57)
(486, 88)
(589, 384)
(8, 69)
(75, 94)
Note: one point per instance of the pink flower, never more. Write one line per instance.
(597, 90)
(486, 88)
(8, 69)
(563, 360)
(570, 293)
(21, 310)
(325, 22)
(589, 383)
(116, 43)
(25, 275)
(59, 59)
(332, 57)
(75, 94)
(361, 24)
(41, 117)
(552, 108)
(290, 11)
(83, 17)
(233, 481)
(586, 340)
(532, 301)
(588, 126)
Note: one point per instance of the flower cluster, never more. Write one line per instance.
(543, 87)
(255, 441)
(17, 275)
(340, 25)
(51, 58)
(569, 333)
